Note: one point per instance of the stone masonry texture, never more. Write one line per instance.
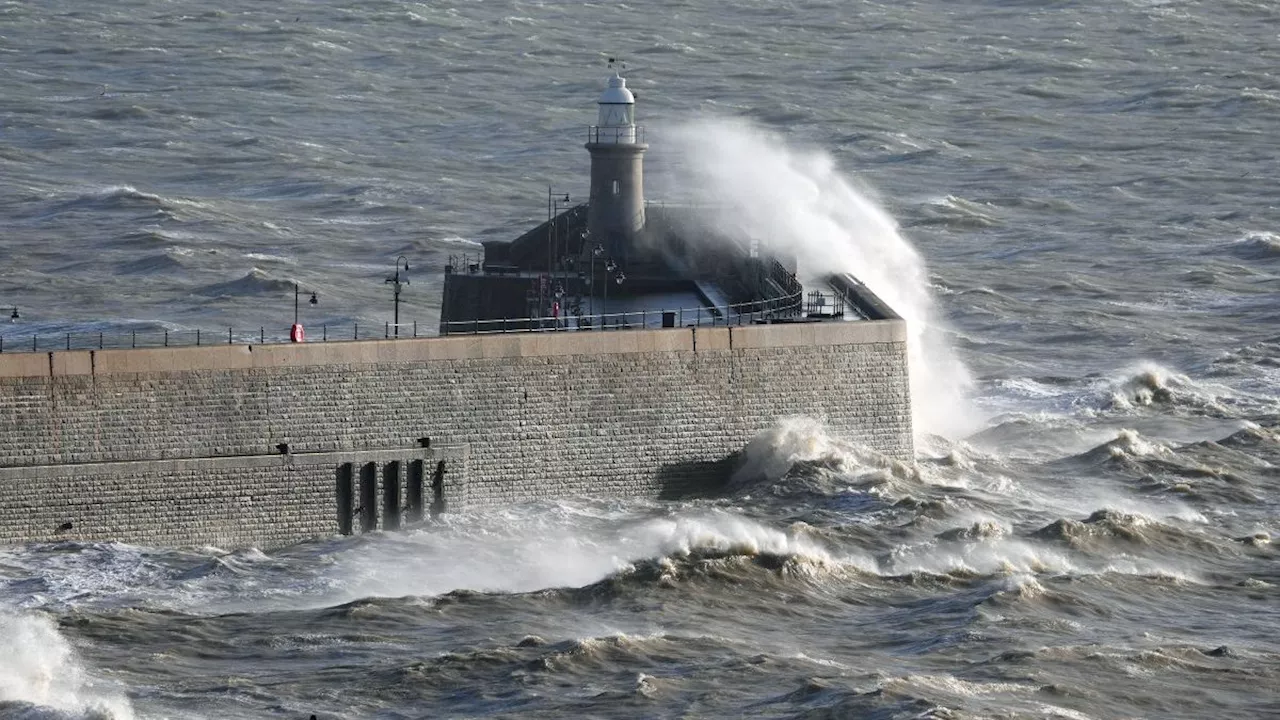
(179, 446)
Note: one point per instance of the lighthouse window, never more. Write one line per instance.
(617, 188)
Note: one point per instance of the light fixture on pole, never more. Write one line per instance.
(553, 207)
(557, 205)
(609, 267)
(397, 282)
(295, 333)
(596, 252)
(13, 316)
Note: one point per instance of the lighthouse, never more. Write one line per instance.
(615, 214)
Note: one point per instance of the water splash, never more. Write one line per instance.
(794, 201)
(39, 667)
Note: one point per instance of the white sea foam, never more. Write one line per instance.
(794, 201)
(526, 552)
(769, 455)
(38, 666)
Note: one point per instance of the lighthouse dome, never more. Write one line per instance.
(617, 92)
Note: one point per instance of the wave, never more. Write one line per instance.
(1156, 387)
(255, 282)
(1126, 445)
(119, 197)
(798, 455)
(1107, 531)
(1222, 471)
(1256, 246)
(164, 263)
(42, 677)
(956, 213)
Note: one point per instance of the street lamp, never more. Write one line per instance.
(609, 267)
(295, 332)
(553, 207)
(398, 282)
(557, 205)
(596, 252)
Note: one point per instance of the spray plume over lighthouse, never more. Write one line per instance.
(618, 261)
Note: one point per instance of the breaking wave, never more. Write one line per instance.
(799, 453)
(1256, 246)
(799, 204)
(255, 282)
(42, 677)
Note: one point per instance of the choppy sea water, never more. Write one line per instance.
(1090, 185)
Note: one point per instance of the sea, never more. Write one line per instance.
(1074, 203)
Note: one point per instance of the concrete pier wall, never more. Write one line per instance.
(183, 446)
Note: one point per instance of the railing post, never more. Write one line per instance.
(324, 332)
(134, 341)
(68, 341)
(415, 328)
(166, 338)
(34, 342)
(197, 337)
(99, 339)
(228, 336)
(355, 334)
(262, 335)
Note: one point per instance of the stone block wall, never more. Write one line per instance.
(179, 445)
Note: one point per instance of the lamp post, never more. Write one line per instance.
(295, 332)
(618, 277)
(553, 206)
(558, 204)
(596, 252)
(609, 267)
(397, 282)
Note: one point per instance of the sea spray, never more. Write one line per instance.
(39, 667)
(755, 187)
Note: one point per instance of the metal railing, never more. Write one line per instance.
(707, 316)
(615, 134)
(263, 335)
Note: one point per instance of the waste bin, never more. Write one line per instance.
(668, 319)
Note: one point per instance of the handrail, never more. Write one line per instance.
(710, 315)
(196, 337)
(615, 134)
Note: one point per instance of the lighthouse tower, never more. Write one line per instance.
(615, 213)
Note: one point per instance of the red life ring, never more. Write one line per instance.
(296, 334)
